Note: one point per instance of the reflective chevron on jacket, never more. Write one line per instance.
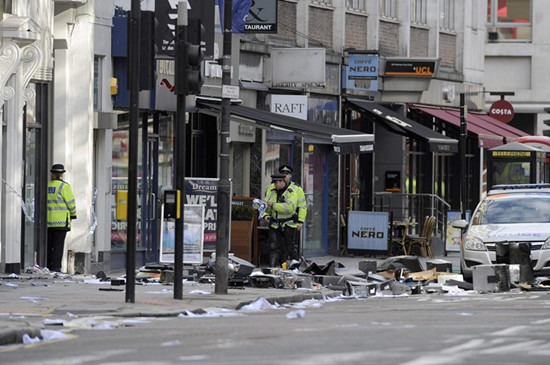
(61, 205)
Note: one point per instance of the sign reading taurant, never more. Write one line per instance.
(262, 17)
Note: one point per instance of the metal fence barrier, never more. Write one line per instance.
(417, 206)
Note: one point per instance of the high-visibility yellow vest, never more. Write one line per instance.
(301, 207)
(282, 211)
(302, 203)
(61, 204)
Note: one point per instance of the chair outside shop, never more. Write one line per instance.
(423, 240)
(398, 244)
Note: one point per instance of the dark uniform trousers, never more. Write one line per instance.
(56, 243)
(282, 242)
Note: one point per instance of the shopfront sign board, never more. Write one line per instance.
(368, 231)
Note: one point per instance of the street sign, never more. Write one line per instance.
(502, 110)
(230, 91)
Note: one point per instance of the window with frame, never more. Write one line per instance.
(357, 5)
(509, 20)
(388, 8)
(97, 82)
(418, 11)
(447, 14)
(324, 2)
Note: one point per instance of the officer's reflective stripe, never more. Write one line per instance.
(57, 223)
(58, 208)
(59, 191)
(302, 203)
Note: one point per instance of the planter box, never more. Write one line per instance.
(241, 239)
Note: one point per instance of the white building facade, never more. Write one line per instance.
(516, 56)
(55, 78)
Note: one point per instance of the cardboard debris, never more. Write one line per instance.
(443, 277)
(425, 275)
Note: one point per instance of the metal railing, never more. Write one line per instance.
(417, 206)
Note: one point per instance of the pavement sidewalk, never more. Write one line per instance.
(27, 300)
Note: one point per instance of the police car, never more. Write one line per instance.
(508, 214)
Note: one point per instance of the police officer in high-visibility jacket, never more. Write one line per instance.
(282, 202)
(302, 203)
(61, 210)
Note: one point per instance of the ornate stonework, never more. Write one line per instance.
(29, 63)
(9, 61)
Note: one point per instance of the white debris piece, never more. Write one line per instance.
(57, 321)
(300, 313)
(200, 292)
(47, 335)
(260, 304)
(33, 299)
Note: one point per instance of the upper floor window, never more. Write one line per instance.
(97, 82)
(5, 7)
(509, 20)
(447, 14)
(324, 2)
(418, 11)
(388, 8)
(358, 5)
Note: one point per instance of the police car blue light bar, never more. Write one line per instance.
(520, 186)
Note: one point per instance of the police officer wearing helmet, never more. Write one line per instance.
(61, 210)
(302, 203)
(282, 202)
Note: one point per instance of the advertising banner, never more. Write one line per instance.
(193, 236)
(368, 231)
(452, 240)
(204, 191)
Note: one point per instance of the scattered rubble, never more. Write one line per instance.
(395, 276)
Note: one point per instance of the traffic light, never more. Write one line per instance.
(195, 56)
(147, 51)
(189, 56)
(546, 132)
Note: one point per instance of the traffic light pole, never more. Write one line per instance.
(224, 188)
(179, 153)
(133, 58)
(462, 150)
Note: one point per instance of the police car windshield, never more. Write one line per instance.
(514, 209)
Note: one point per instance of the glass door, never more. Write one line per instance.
(316, 192)
(33, 196)
(29, 249)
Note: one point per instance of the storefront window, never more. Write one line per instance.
(277, 154)
(509, 20)
(315, 189)
(120, 176)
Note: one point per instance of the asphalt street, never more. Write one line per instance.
(27, 299)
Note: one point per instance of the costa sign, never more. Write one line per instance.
(502, 110)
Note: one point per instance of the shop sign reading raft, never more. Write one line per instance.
(368, 231)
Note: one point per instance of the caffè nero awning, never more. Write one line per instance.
(344, 141)
(404, 126)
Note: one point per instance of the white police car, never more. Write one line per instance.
(508, 214)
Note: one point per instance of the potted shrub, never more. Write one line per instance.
(242, 213)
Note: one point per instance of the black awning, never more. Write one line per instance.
(344, 141)
(406, 127)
